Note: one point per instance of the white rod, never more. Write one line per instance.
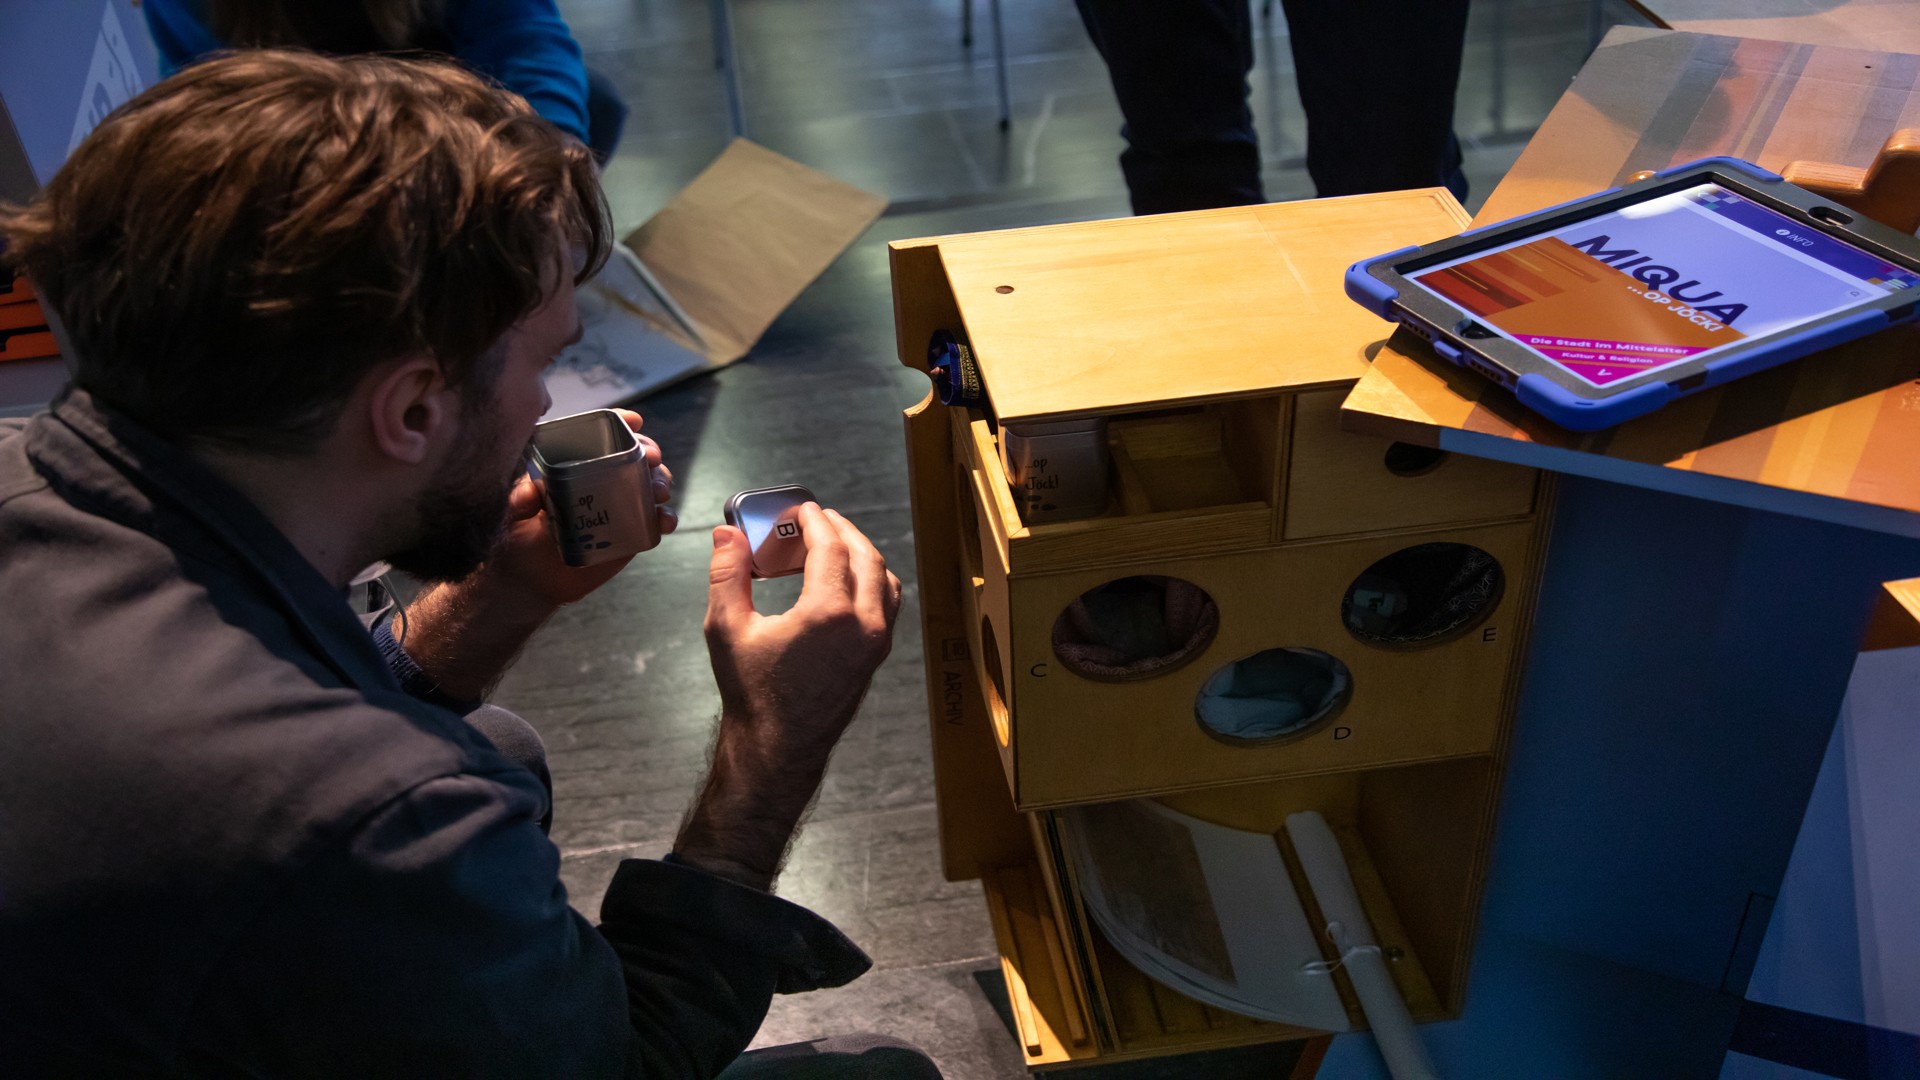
(1347, 925)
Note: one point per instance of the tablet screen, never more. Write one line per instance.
(1661, 282)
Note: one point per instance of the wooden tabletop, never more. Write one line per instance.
(1835, 436)
(1852, 24)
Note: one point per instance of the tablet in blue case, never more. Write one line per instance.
(1606, 308)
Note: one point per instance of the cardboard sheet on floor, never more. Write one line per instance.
(727, 254)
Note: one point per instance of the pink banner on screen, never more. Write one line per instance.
(1601, 361)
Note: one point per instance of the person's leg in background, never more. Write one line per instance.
(844, 1057)
(1179, 69)
(1377, 80)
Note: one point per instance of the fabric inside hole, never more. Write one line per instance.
(1422, 595)
(1135, 628)
(1273, 693)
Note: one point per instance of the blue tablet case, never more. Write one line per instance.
(1377, 286)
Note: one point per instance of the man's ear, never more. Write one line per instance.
(410, 408)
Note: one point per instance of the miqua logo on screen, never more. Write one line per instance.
(1665, 279)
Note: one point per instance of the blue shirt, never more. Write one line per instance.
(523, 44)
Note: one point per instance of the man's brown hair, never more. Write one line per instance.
(234, 249)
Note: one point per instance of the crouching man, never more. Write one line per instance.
(312, 301)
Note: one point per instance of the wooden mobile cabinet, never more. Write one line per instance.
(1218, 345)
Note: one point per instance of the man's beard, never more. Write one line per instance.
(462, 513)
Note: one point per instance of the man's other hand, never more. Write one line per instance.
(789, 686)
(797, 677)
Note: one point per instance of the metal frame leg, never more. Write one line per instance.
(1000, 67)
(725, 57)
(1497, 107)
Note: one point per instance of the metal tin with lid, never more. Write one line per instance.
(592, 472)
(1057, 468)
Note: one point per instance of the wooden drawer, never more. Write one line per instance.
(1341, 483)
(1182, 481)
(1067, 738)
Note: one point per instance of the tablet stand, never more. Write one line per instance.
(1887, 191)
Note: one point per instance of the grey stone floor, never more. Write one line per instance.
(879, 93)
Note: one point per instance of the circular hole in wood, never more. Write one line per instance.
(1422, 595)
(996, 688)
(969, 523)
(1135, 628)
(1273, 696)
(1407, 459)
(1003, 289)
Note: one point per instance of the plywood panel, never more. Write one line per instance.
(1118, 537)
(1046, 1012)
(1429, 829)
(1080, 740)
(1896, 617)
(1341, 482)
(1111, 316)
(977, 824)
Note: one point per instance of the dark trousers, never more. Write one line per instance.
(1179, 69)
(1377, 81)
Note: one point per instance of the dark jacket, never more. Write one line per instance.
(231, 844)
